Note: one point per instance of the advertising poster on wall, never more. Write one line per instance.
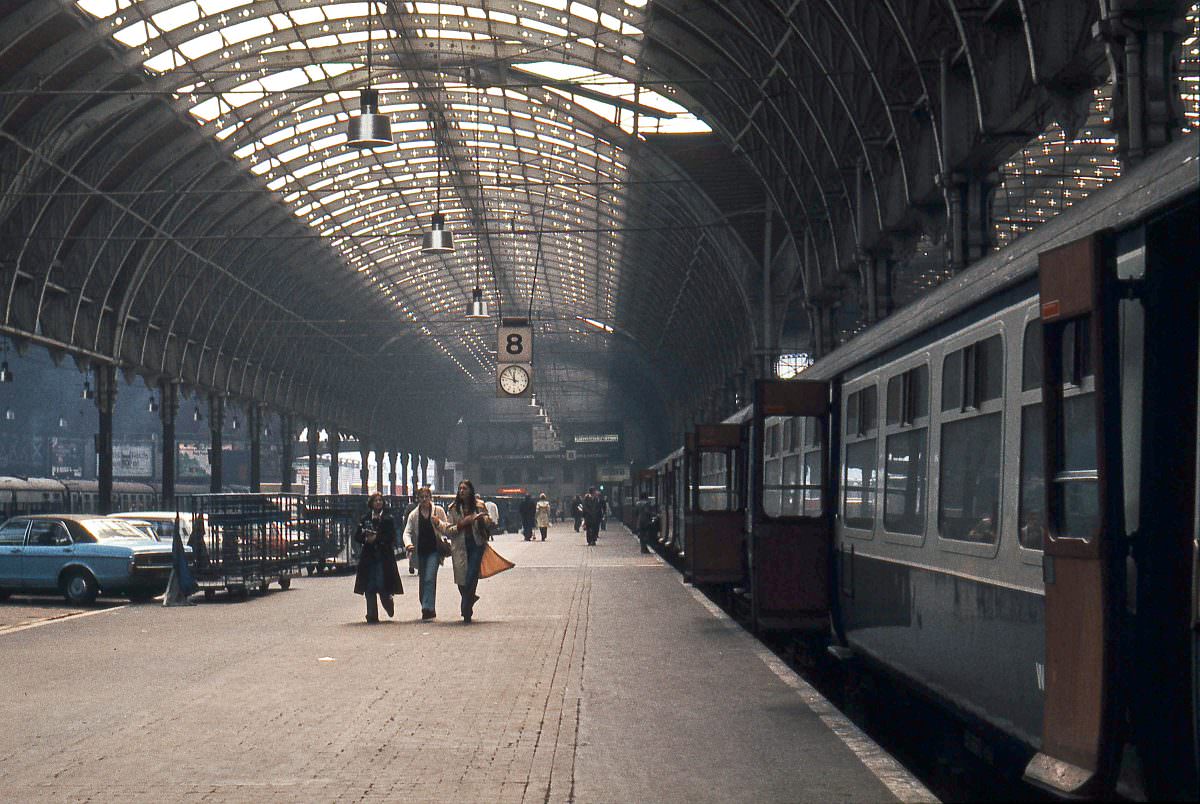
(133, 460)
(66, 457)
(193, 462)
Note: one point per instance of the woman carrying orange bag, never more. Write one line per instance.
(471, 530)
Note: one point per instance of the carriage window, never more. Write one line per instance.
(969, 500)
(860, 469)
(858, 485)
(904, 498)
(973, 375)
(1076, 350)
(1031, 369)
(716, 492)
(1032, 515)
(1076, 486)
(792, 485)
(788, 427)
(908, 396)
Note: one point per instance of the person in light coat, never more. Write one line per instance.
(423, 531)
(542, 514)
(472, 528)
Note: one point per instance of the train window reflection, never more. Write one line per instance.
(969, 500)
(1076, 484)
(1031, 369)
(716, 490)
(859, 481)
(904, 483)
(791, 482)
(1032, 514)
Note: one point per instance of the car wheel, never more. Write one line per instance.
(79, 588)
(285, 582)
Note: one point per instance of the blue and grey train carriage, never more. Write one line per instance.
(993, 493)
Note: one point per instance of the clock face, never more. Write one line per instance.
(514, 380)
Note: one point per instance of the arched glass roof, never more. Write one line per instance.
(513, 119)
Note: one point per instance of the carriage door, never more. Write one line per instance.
(716, 505)
(1083, 509)
(790, 530)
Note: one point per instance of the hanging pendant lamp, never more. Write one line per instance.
(439, 239)
(478, 308)
(370, 129)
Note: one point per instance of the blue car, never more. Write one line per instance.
(81, 556)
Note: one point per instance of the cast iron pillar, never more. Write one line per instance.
(364, 470)
(394, 457)
(286, 458)
(216, 427)
(335, 466)
(255, 417)
(313, 435)
(416, 480)
(168, 410)
(379, 471)
(106, 400)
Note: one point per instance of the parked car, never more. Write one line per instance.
(81, 556)
(164, 523)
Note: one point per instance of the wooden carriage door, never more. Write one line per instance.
(791, 538)
(1083, 513)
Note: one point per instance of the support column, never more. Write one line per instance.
(1140, 40)
(314, 435)
(416, 481)
(168, 410)
(379, 472)
(216, 456)
(255, 417)
(424, 470)
(875, 276)
(970, 199)
(335, 467)
(364, 469)
(394, 457)
(406, 490)
(106, 399)
(766, 368)
(286, 453)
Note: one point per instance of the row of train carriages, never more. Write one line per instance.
(992, 495)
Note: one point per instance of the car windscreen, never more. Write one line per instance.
(107, 529)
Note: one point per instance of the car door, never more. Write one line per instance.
(47, 548)
(12, 549)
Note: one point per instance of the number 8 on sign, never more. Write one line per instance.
(514, 344)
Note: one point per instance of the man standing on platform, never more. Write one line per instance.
(645, 521)
(591, 516)
(528, 511)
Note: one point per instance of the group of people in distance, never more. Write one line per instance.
(460, 531)
(430, 534)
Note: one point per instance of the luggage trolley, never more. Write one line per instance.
(244, 542)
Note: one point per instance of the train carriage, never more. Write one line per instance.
(993, 493)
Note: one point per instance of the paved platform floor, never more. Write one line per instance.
(589, 675)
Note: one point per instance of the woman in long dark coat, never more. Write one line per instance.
(377, 575)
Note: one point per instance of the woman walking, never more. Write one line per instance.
(469, 518)
(543, 514)
(422, 534)
(377, 575)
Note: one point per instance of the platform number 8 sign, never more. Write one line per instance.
(515, 344)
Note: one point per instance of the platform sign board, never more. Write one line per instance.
(514, 342)
(612, 473)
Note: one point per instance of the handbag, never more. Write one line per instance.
(493, 563)
(443, 547)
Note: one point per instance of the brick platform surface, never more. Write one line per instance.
(589, 675)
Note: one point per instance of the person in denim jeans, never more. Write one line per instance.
(472, 528)
(424, 529)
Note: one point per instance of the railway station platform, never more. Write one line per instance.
(588, 675)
